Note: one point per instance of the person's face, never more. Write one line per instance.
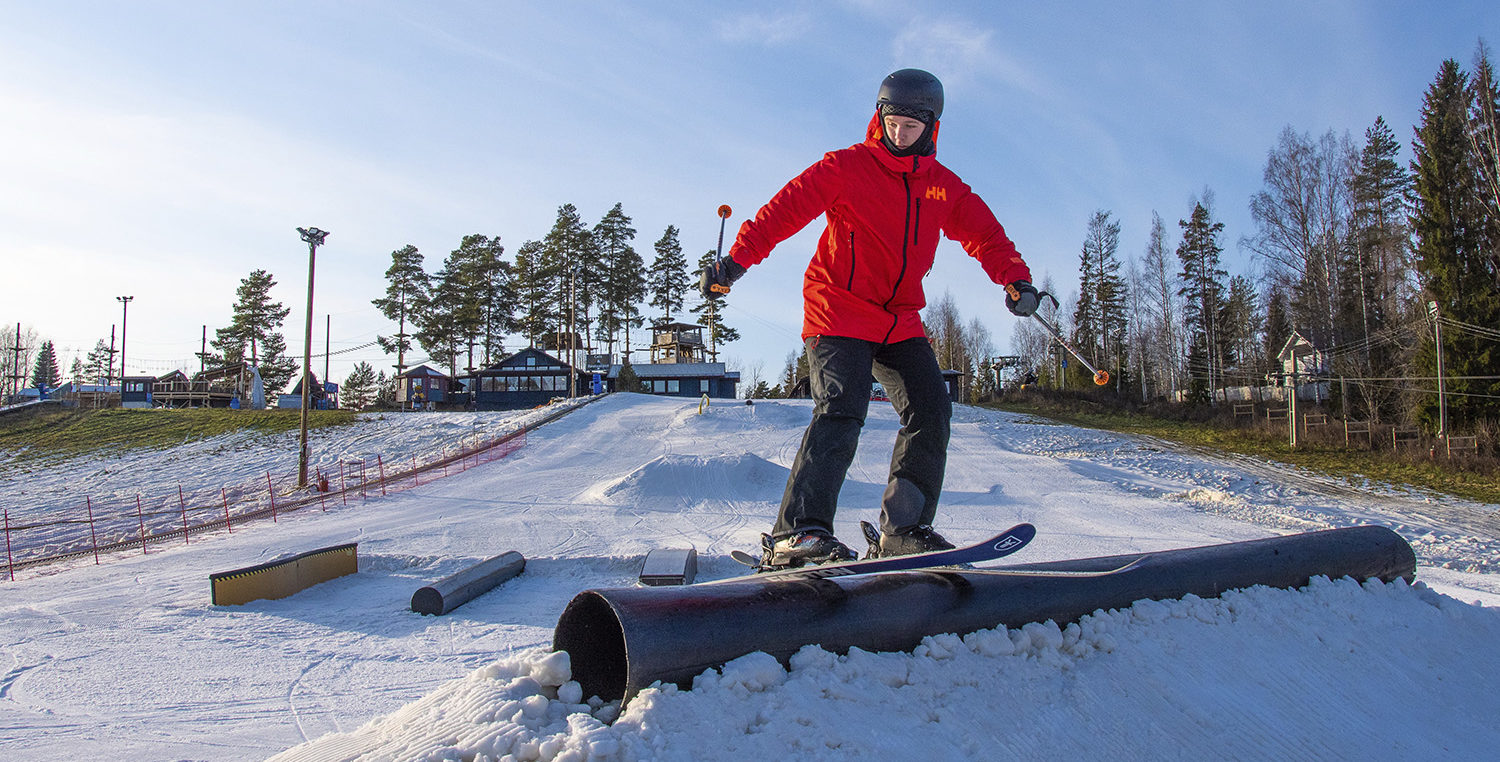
(903, 131)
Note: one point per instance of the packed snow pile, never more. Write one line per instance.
(1331, 671)
(744, 476)
(128, 659)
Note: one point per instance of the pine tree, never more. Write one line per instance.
(628, 381)
(570, 256)
(1484, 143)
(441, 326)
(1278, 328)
(1099, 322)
(668, 278)
(484, 296)
(1448, 223)
(1203, 294)
(253, 327)
(536, 312)
(1240, 331)
(96, 367)
(385, 390)
(624, 270)
(710, 312)
(46, 373)
(1378, 278)
(405, 296)
(360, 387)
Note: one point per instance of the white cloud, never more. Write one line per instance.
(764, 28)
(961, 52)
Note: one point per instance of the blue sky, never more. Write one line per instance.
(166, 149)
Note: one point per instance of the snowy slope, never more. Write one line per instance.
(129, 660)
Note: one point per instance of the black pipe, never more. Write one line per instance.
(622, 640)
(455, 590)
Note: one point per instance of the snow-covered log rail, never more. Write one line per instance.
(623, 640)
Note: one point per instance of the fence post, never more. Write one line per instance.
(183, 505)
(142, 518)
(380, 461)
(416, 476)
(322, 492)
(10, 562)
(271, 490)
(93, 538)
(364, 481)
(343, 483)
(224, 493)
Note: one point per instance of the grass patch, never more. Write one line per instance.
(54, 433)
(1475, 479)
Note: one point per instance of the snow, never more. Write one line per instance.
(128, 660)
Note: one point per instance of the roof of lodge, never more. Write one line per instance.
(678, 370)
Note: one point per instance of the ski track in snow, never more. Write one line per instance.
(128, 659)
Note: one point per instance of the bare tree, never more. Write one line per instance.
(18, 348)
(1301, 219)
(1163, 352)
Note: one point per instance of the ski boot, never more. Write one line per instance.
(918, 539)
(809, 546)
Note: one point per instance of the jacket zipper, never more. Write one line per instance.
(905, 237)
(851, 260)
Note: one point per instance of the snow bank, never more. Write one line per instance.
(1324, 672)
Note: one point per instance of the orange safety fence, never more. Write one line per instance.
(138, 522)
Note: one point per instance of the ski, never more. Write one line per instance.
(999, 546)
(1059, 573)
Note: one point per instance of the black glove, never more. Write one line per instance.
(1021, 298)
(718, 276)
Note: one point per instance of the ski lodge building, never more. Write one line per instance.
(532, 377)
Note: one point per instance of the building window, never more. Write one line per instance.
(665, 386)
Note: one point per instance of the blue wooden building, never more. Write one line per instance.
(680, 365)
(526, 379)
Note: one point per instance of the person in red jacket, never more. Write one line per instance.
(886, 200)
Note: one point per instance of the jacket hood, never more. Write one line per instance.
(874, 138)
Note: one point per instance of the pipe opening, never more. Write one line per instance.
(591, 633)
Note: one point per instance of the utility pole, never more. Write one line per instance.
(572, 329)
(1437, 331)
(109, 371)
(17, 372)
(124, 326)
(202, 353)
(314, 238)
(327, 337)
(1292, 406)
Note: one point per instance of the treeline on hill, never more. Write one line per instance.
(584, 282)
(579, 287)
(1368, 260)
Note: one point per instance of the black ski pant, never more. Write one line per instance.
(840, 372)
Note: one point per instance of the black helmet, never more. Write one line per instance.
(910, 91)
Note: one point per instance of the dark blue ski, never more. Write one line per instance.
(999, 546)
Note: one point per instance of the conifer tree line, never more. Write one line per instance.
(579, 287)
(1365, 257)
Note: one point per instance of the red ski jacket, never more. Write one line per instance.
(884, 215)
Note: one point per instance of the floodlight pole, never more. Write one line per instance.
(314, 238)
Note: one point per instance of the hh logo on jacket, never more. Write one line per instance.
(934, 193)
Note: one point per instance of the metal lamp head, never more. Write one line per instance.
(313, 236)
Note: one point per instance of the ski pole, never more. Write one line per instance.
(724, 212)
(1101, 377)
